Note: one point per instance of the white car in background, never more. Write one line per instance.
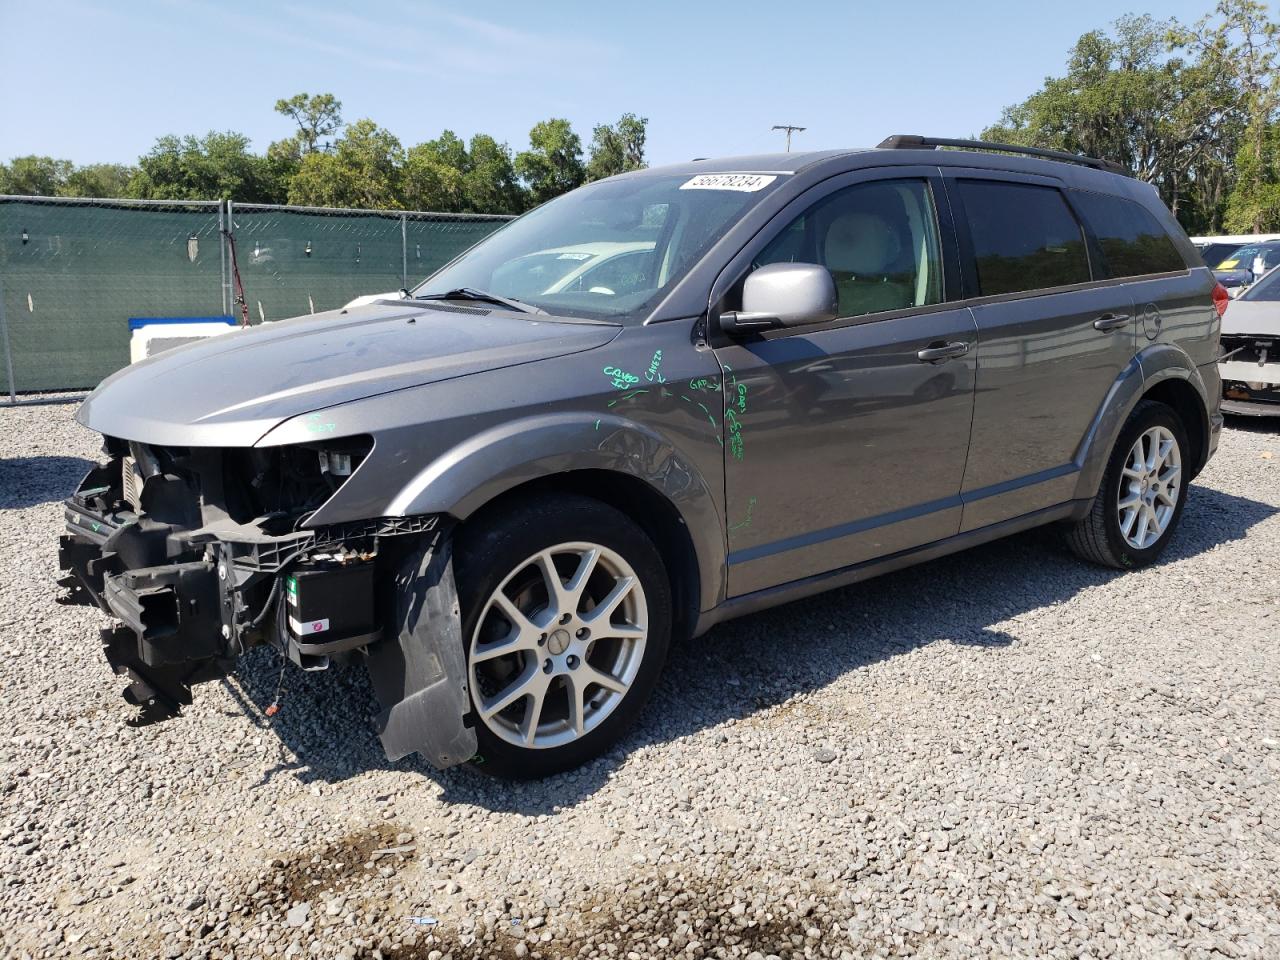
(1250, 366)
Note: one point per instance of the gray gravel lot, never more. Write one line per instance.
(1001, 754)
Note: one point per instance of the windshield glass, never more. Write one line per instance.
(609, 250)
(1240, 259)
(1215, 253)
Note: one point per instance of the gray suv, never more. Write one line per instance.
(663, 400)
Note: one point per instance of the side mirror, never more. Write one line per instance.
(784, 295)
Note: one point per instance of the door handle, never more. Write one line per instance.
(937, 353)
(1110, 321)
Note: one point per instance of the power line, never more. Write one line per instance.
(790, 128)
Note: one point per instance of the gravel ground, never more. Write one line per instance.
(1001, 754)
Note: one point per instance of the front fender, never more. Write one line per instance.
(1154, 364)
(462, 479)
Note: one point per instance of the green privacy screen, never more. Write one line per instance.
(297, 260)
(73, 272)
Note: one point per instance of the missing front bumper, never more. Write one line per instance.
(191, 597)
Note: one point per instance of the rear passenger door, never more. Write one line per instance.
(1131, 244)
(1051, 342)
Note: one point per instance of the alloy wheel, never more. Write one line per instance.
(558, 644)
(1150, 485)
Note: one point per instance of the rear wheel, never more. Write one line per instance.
(566, 620)
(1143, 491)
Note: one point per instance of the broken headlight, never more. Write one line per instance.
(279, 486)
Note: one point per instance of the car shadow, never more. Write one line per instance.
(27, 481)
(1256, 425)
(740, 667)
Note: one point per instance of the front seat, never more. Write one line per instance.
(863, 252)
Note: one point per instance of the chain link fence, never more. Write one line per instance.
(73, 272)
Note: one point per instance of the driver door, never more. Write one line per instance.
(842, 442)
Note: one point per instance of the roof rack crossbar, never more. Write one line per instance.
(905, 141)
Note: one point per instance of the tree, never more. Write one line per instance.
(218, 166)
(618, 148)
(365, 169)
(1254, 203)
(316, 116)
(98, 180)
(431, 183)
(1130, 96)
(34, 176)
(553, 163)
(490, 184)
(1240, 40)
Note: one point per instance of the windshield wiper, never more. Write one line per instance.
(471, 293)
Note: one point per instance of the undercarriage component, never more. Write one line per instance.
(419, 672)
(160, 690)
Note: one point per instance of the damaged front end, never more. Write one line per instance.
(1250, 371)
(202, 553)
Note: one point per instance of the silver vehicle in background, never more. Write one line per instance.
(1250, 365)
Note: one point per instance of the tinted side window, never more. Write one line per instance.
(879, 240)
(1132, 240)
(1024, 237)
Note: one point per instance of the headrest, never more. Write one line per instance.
(862, 244)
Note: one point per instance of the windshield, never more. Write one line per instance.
(1245, 257)
(609, 250)
(1215, 253)
(1239, 259)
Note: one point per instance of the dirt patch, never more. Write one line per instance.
(334, 869)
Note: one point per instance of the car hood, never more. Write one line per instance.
(1258, 317)
(232, 389)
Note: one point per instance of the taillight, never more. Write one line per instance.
(1220, 299)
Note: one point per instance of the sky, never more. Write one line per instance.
(100, 81)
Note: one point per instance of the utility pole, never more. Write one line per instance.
(790, 128)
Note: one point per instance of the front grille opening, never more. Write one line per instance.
(279, 486)
(1245, 349)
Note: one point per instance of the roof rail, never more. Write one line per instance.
(904, 141)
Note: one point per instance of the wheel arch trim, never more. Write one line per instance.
(471, 474)
(1156, 364)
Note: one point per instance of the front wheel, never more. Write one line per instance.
(1143, 491)
(566, 618)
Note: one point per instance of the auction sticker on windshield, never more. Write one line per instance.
(741, 182)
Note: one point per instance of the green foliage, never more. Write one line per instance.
(316, 116)
(553, 163)
(365, 170)
(618, 148)
(217, 166)
(490, 184)
(98, 180)
(34, 176)
(364, 166)
(1254, 203)
(1178, 105)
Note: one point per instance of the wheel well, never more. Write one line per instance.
(654, 513)
(1186, 402)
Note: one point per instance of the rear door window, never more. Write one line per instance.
(1132, 241)
(1025, 237)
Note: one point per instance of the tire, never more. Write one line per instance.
(1104, 536)
(557, 651)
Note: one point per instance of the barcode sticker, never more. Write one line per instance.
(740, 182)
